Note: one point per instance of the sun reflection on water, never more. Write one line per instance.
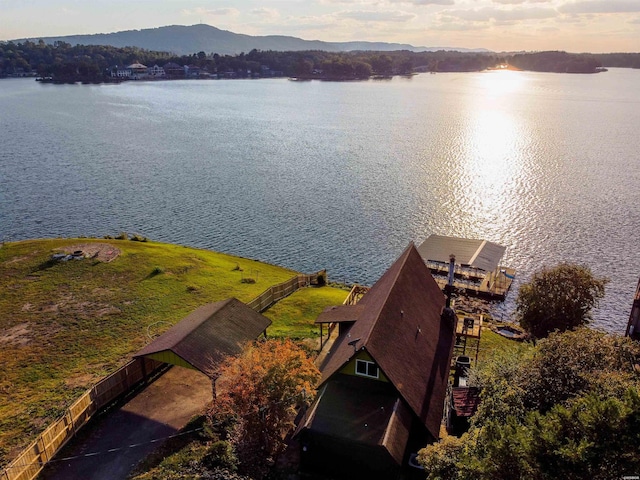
(493, 143)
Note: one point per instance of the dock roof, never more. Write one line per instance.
(475, 253)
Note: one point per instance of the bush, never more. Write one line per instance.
(138, 238)
(156, 271)
(220, 455)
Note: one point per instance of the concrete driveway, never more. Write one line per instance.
(160, 410)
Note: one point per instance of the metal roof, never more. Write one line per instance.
(209, 333)
(475, 253)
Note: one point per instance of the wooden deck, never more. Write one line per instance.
(472, 331)
(468, 326)
(492, 286)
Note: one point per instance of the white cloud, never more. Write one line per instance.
(600, 6)
(217, 12)
(424, 2)
(266, 13)
(375, 16)
(502, 15)
(519, 2)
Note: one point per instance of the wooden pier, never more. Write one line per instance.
(475, 282)
(477, 270)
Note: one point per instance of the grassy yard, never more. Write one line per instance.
(294, 316)
(64, 325)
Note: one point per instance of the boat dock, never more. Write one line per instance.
(493, 286)
(477, 271)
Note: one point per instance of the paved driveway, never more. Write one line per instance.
(160, 410)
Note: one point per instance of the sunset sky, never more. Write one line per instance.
(500, 25)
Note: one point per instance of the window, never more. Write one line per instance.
(367, 369)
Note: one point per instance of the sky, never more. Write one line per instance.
(499, 25)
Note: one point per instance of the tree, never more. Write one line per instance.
(559, 298)
(258, 396)
(567, 408)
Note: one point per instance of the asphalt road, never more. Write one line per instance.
(160, 410)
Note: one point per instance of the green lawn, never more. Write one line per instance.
(64, 325)
(294, 316)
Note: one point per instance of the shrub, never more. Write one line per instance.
(138, 238)
(220, 455)
(156, 271)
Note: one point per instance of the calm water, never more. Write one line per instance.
(341, 176)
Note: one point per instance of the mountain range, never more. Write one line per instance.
(185, 40)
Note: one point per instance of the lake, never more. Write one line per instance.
(338, 175)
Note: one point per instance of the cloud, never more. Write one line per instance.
(519, 2)
(424, 2)
(217, 12)
(600, 6)
(487, 14)
(265, 12)
(375, 16)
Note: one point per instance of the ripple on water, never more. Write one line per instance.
(338, 175)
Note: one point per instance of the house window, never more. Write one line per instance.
(367, 369)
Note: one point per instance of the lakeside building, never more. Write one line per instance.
(477, 265)
(633, 327)
(384, 379)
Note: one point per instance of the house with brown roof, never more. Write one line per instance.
(384, 382)
(207, 335)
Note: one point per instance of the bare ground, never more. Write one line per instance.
(100, 251)
(112, 446)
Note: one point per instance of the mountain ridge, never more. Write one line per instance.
(184, 40)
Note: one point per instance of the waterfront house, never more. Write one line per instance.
(156, 71)
(120, 72)
(633, 326)
(138, 71)
(384, 382)
(173, 70)
(191, 71)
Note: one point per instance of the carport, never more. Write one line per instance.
(207, 335)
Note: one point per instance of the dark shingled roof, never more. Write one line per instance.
(466, 400)
(400, 327)
(340, 313)
(210, 333)
(475, 253)
(362, 411)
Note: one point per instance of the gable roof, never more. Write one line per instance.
(210, 333)
(475, 253)
(400, 326)
(362, 411)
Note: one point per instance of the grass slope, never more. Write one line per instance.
(294, 316)
(64, 325)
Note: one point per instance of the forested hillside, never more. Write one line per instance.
(93, 63)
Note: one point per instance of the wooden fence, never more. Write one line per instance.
(35, 456)
(281, 290)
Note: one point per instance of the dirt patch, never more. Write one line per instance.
(18, 335)
(98, 251)
(83, 380)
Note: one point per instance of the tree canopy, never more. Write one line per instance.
(257, 397)
(567, 408)
(558, 298)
